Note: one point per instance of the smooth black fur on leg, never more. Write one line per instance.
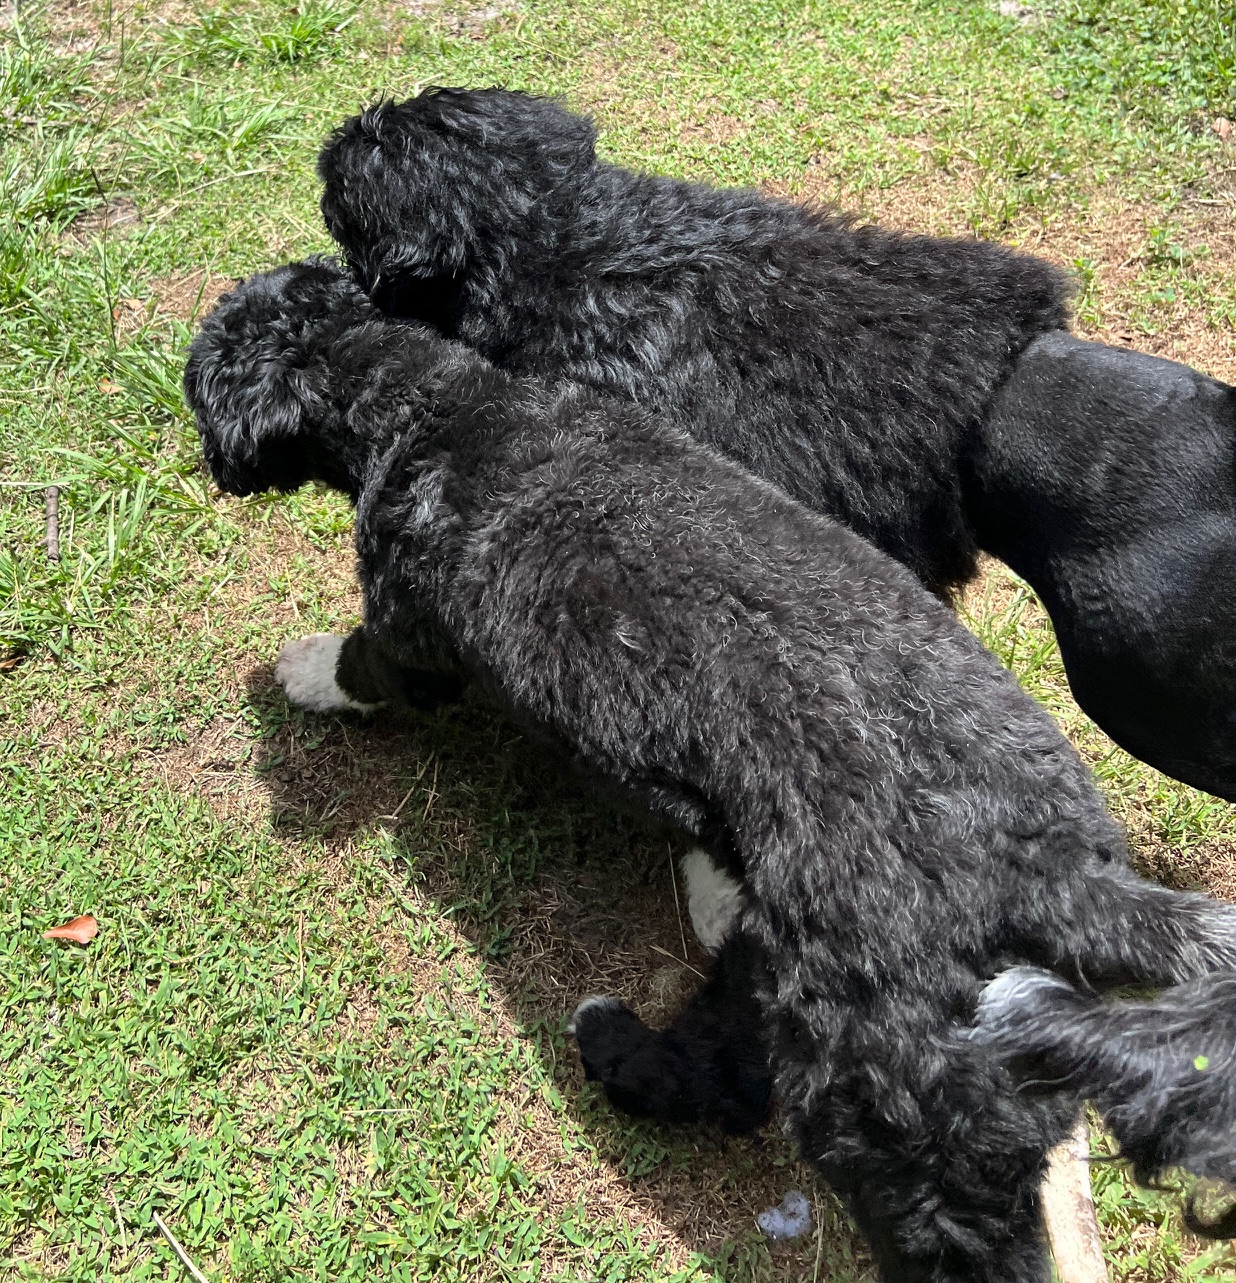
(1107, 479)
(920, 390)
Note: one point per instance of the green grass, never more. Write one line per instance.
(320, 1032)
(231, 34)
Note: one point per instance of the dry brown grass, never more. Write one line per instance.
(189, 295)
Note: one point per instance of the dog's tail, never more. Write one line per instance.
(1162, 1073)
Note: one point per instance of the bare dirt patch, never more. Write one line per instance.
(117, 213)
(184, 296)
(85, 24)
(213, 764)
(189, 295)
(470, 22)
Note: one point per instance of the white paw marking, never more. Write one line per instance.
(597, 1000)
(306, 671)
(714, 899)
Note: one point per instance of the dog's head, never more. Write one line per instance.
(451, 185)
(272, 373)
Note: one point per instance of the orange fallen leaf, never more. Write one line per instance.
(108, 388)
(83, 930)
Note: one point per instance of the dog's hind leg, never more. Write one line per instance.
(714, 898)
(709, 1065)
(1106, 926)
(928, 1142)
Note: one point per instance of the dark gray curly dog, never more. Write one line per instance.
(923, 391)
(906, 820)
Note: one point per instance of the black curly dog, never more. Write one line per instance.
(923, 391)
(906, 820)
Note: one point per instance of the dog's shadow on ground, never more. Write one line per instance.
(562, 892)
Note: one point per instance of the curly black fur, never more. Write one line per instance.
(788, 338)
(906, 818)
(852, 366)
(712, 1065)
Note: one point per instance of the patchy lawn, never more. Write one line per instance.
(321, 1030)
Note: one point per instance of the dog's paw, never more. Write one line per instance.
(606, 1031)
(597, 1008)
(306, 671)
(714, 899)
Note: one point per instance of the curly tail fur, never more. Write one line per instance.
(1162, 1073)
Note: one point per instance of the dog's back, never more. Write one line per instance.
(905, 816)
(845, 364)
(683, 622)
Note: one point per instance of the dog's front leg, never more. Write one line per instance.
(329, 673)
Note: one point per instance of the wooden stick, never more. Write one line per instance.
(52, 507)
(180, 1252)
(1068, 1211)
(682, 931)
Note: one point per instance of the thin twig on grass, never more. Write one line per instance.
(180, 1252)
(677, 907)
(394, 815)
(433, 793)
(666, 953)
(124, 1238)
(168, 210)
(52, 497)
(819, 1239)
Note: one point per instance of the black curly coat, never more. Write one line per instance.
(920, 390)
(906, 819)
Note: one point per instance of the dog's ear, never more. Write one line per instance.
(268, 374)
(451, 179)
